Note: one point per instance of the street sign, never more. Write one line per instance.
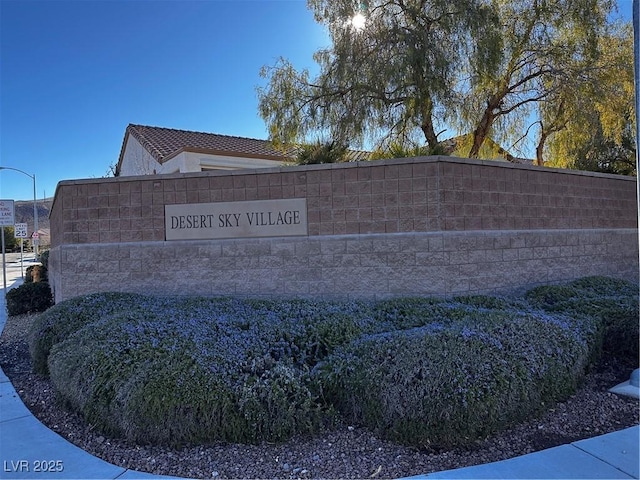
(7, 218)
(21, 230)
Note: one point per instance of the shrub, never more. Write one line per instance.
(35, 273)
(44, 259)
(321, 152)
(403, 313)
(445, 385)
(66, 317)
(182, 371)
(126, 380)
(323, 326)
(426, 372)
(28, 298)
(613, 302)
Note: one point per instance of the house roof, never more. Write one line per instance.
(165, 143)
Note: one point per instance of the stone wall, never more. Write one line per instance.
(434, 225)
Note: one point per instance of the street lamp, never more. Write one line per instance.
(35, 207)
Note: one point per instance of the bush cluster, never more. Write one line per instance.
(67, 317)
(44, 259)
(460, 379)
(28, 298)
(422, 371)
(613, 302)
(34, 295)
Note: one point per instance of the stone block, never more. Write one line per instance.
(270, 261)
(432, 258)
(373, 259)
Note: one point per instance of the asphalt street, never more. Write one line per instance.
(15, 267)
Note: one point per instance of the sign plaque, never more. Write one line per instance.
(261, 218)
(21, 230)
(7, 218)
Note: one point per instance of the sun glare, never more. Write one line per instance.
(358, 21)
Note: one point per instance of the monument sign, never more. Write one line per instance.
(263, 218)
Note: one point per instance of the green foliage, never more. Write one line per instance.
(452, 383)
(144, 362)
(66, 317)
(591, 120)
(321, 152)
(384, 81)
(545, 47)
(44, 259)
(145, 389)
(423, 371)
(34, 295)
(402, 150)
(28, 298)
(613, 302)
(10, 241)
(503, 63)
(605, 155)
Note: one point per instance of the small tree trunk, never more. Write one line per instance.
(481, 132)
(540, 149)
(427, 125)
(429, 133)
(556, 125)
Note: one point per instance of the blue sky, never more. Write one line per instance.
(74, 74)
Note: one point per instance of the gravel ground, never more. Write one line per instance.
(347, 452)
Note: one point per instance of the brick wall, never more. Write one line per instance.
(432, 225)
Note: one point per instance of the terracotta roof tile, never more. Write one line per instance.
(164, 143)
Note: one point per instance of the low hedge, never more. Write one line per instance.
(425, 372)
(151, 381)
(175, 371)
(613, 302)
(33, 296)
(61, 320)
(29, 298)
(450, 384)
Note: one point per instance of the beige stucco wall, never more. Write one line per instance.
(433, 226)
(137, 160)
(186, 162)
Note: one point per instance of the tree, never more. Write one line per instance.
(10, 241)
(595, 129)
(383, 80)
(484, 66)
(112, 171)
(545, 43)
(602, 154)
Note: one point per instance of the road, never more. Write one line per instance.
(14, 268)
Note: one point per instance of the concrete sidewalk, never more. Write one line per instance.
(28, 449)
(614, 455)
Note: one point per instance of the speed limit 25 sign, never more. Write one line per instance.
(21, 230)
